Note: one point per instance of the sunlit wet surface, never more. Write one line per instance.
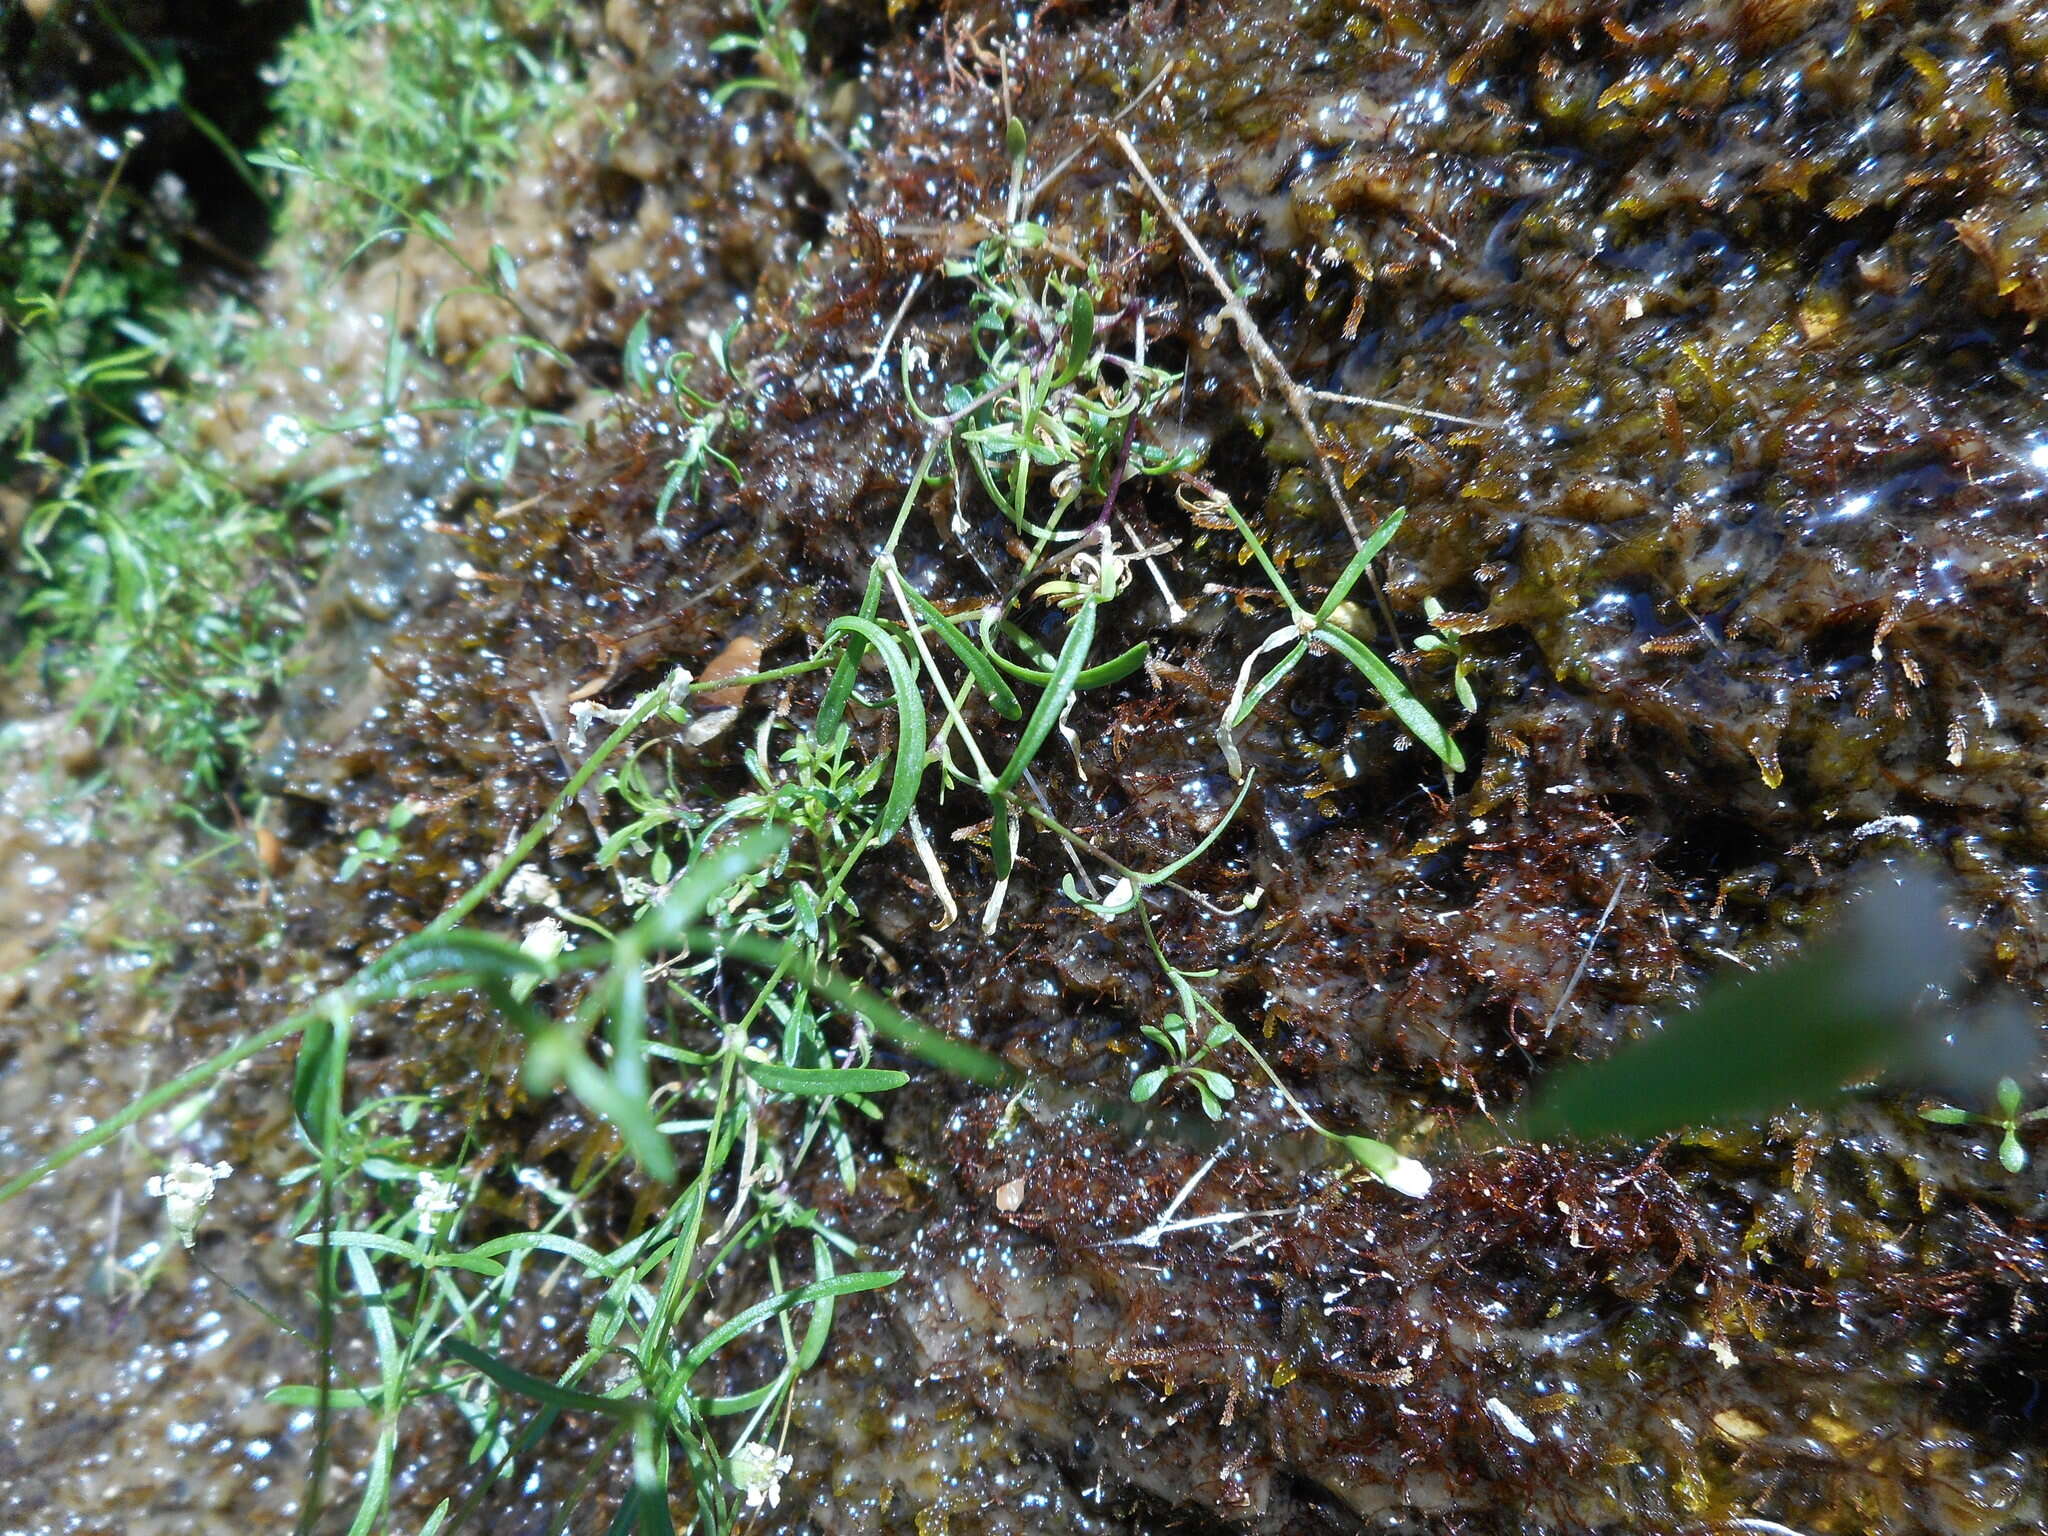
(1749, 561)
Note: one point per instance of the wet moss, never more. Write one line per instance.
(1745, 554)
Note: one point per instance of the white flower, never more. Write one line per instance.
(583, 715)
(1408, 1177)
(1401, 1174)
(528, 887)
(540, 1182)
(436, 1198)
(545, 939)
(185, 1189)
(757, 1472)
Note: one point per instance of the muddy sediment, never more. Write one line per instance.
(1741, 530)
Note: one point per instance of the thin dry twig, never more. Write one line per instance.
(1374, 402)
(874, 368)
(1065, 163)
(129, 140)
(1263, 357)
(1586, 955)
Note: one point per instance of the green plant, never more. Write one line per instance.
(74, 292)
(703, 1019)
(1800, 1032)
(705, 421)
(1318, 630)
(2007, 1119)
(1447, 641)
(153, 590)
(1174, 1035)
(1049, 396)
(491, 403)
(1055, 414)
(395, 109)
(778, 45)
(377, 845)
(754, 887)
(159, 589)
(1176, 1032)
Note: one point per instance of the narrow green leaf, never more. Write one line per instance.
(434, 961)
(1369, 551)
(370, 1511)
(1769, 1039)
(910, 722)
(1257, 694)
(1115, 670)
(1408, 709)
(317, 1078)
(887, 1020)
(761, 1311)
(583, 1254)
(305, 1395)
(634, 361)
(822, 1082)
(1059, 688)
(143, 1105)
(627, 1112)
(1208, 838)
(986, 676)
(1080, 336)
(537, 1388)
(840, 689)
(466, 1261)
(816, 1333)
(1796, 1033)
(371, 1242)
(1244, 530)
(505, 269)
(649, 1501)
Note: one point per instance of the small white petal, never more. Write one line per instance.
(758, 1472)
(1407, 1177)
(545, 939)
(528, 887)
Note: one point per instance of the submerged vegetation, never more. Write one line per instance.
(944, 730)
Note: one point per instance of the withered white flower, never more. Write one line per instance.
(545, 939)
(436, 1198)
(528, 887)
(185, 1188)
(758, 1472)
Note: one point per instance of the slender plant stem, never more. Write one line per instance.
(159, 1097)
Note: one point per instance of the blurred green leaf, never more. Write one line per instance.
(1797, 1033)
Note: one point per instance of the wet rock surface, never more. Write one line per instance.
(1745, 549)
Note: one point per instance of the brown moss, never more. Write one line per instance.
(1748, 564)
